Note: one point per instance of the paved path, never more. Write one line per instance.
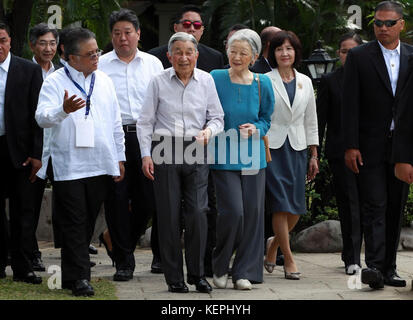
(323, 278)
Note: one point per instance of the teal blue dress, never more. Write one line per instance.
(241, 105)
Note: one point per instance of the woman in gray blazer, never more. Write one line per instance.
(293, 129)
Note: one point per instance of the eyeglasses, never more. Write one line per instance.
(46, 43)
(387, 23)
(91, 56)
(187, 24)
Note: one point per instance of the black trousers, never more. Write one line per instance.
(4, 235)
(212, 216)
(211, 228)
(382, 200)
(39, 186)
(15, 184)
(174, 182)
(79, 202)
(129, 206)
(346, 192)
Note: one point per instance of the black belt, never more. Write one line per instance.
(129, 127)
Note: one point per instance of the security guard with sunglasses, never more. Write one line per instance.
(374, 76)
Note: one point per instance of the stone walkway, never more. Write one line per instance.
(323, 278)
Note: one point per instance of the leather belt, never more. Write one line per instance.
(129, 127)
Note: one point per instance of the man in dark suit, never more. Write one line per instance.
(262, 65)
(20, 153)
(374, 75)
(189, 20)
(402, 154)
(329, 111)
(43, 43)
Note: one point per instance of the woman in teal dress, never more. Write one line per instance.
(239, 168)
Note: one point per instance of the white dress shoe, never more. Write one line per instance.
(242, 284)
(353, 269)
(220, 282)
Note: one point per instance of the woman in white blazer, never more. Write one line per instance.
(293, 130)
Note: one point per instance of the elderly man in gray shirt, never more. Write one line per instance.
(181, 113)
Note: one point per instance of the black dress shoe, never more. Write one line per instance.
(82, 288)
(373, 277)
(38, 265)
(394, 280)
(200, 283)
(123, 275)
(156, 267)
(280, 260)
(179, 287)
(92, 250)
(30, 277)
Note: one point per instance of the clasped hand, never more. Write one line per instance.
(247, 130)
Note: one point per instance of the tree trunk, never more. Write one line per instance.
(18, 22)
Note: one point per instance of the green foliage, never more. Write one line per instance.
(91, 14)
(320, 198)
(311, 20)
(408, 210)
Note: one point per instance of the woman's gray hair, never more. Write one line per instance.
(250, 36)
(181, 36)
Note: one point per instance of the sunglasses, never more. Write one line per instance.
(187, 24)
(387, 23)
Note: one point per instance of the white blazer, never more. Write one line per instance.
(299, 121)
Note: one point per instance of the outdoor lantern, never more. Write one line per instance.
(319, 63)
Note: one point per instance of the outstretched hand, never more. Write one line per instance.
(72, 104)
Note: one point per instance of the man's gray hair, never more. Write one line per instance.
(181, 36)
(248, 35)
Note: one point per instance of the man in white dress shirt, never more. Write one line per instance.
(130, 70)
(79, 104)
(43, 43)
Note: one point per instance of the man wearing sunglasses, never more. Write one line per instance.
(374, 76)
(189, 20)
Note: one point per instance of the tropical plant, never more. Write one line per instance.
(22, 14)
